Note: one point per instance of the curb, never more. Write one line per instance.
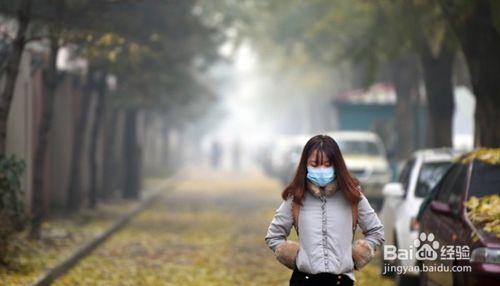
(60, 269)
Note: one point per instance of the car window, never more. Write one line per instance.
(358, 147)
(452, 187)
(429, 176)
(485, 179)
(404, 176)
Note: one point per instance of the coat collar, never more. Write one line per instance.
(317, 191)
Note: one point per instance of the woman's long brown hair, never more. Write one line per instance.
(346, 183)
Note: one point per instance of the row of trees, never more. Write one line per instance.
(154, 51)
(405, 42)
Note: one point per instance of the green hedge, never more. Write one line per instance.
(13, 215)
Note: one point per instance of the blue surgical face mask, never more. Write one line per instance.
(320, 176)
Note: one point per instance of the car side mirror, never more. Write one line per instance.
(393, 190)
(440, 207)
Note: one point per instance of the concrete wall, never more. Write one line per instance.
(20, 123)
(60, 141)
(22, 133)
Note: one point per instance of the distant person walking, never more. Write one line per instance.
(330, 203)
(237, 156)
(216, 154)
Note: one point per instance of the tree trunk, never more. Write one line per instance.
(109, 157)
(480, 41)
(131, 157)
(50, 85)
(405, 78)
(482, 53)
(12, 69)
(488, 120)
(96, 126)
(73, 198)
(438, 81)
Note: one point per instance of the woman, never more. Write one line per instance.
(325, 192)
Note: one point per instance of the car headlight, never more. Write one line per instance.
(485, 255)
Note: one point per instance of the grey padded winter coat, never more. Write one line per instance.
(325, 226)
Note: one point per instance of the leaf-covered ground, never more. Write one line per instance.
(207, 230)
(61, 235)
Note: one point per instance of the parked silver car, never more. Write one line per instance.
(366, 159)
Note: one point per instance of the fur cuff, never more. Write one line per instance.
(286, 253)
(362, 253)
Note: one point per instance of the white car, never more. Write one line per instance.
(403, 199)
(366, 159)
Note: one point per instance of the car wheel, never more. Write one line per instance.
(400, 279)
(404, 280)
